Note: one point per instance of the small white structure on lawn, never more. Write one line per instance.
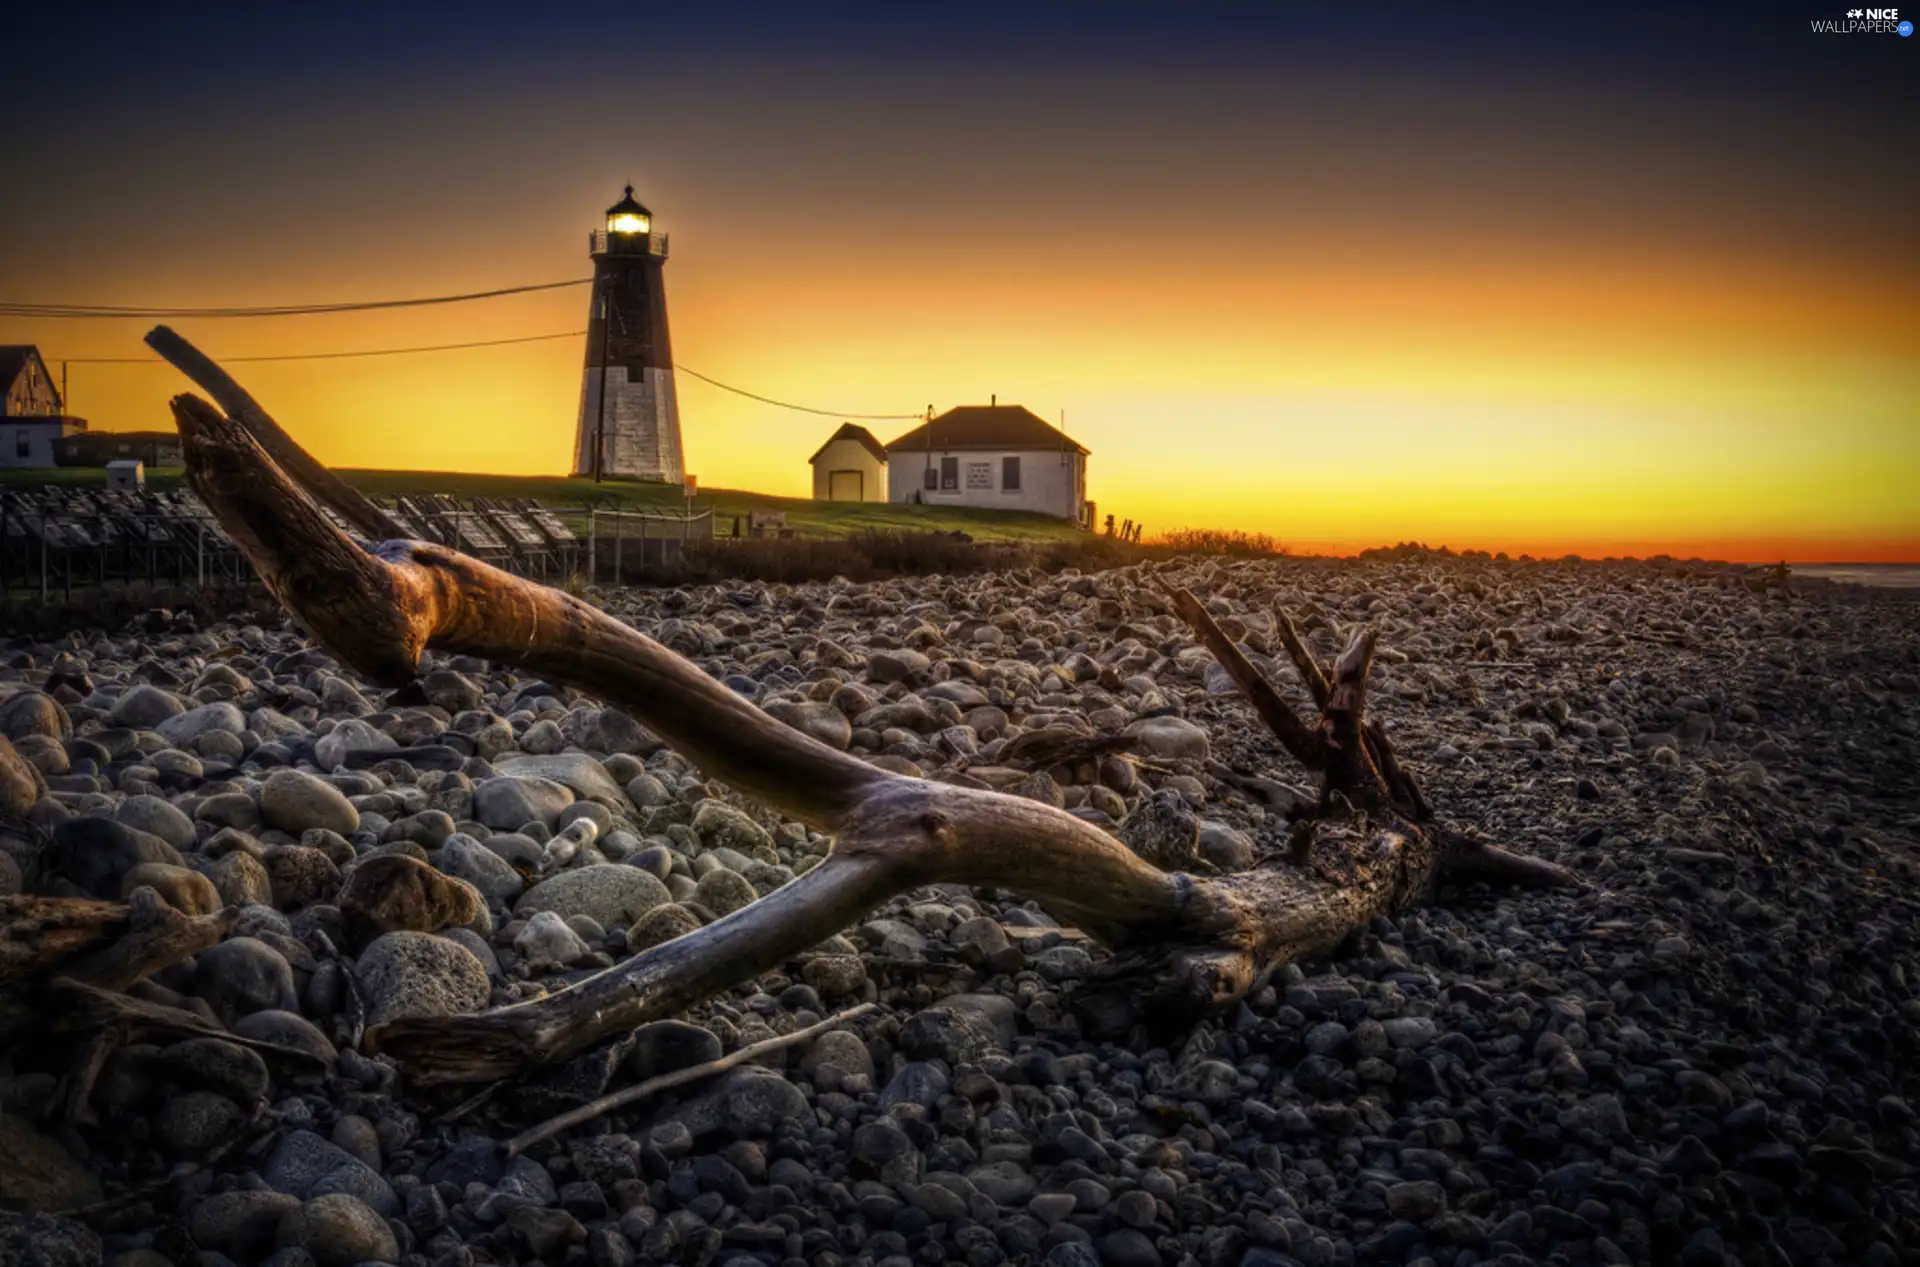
(850, 467)
(126, 475)
(999, 456)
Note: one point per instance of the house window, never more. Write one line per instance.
(950, 475)
(1010, 475)
(933, 479)
(22, 445)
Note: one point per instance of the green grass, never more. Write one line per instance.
(569, 497)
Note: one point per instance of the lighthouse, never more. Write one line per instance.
(629, 415)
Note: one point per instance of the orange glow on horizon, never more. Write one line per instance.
(1506, 387)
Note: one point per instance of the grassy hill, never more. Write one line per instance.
(570, 497)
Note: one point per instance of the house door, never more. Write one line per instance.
(845, 486)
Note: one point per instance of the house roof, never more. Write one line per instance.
(14, 358)
(986, 427)
(859, 435)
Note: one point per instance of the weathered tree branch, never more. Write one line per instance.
(678, 1078)
(1294, 735)
(1209, 940)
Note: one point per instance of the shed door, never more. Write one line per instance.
(845, 486)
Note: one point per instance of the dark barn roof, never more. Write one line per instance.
(860, 435)
(986, 427)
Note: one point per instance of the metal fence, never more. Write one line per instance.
(59, 540)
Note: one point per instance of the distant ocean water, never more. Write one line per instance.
(1887, 575)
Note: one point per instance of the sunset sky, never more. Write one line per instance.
(1619, 281)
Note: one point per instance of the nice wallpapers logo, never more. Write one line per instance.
(1865, 22)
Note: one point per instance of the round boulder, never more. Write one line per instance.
(339, 1230)
(393, 893)
(182, 888)
(465, 858)
(509, 802)
(661, 924)
(144, 707)
(613, 895)
(182, 729)
(295, 801)
(1170, 739)
(243, 975)
(417, 974)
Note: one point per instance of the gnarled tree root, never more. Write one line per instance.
(379, 607)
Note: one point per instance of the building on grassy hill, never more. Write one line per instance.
(33, 417)
(850, 467)
(1003, 457)
(100, 448)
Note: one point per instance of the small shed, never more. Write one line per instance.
(850, 467)
(126, 475)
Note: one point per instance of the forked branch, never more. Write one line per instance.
(1208, 939)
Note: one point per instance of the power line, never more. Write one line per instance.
(9, 308)
(329, 356)
(805, 409)
(480, 343)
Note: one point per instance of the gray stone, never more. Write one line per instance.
(663, 1046)
(417, 974)
(286, 1029)
(304, 1165)
(721, 826)
(1224, 847)
(749, 1101)
(579, 773)
(37, 1174)
(96, 853)
(243, 975)
(1170, 739)
(156, 817)
(144, 707)
(194, 1123)
(835, 1055)
(613, 895)
(897, 666)
(339, 1230)
(548, 944)
(243, 1224)
(816, 718)
(723, 892)
(183, 728)
(34, 713)
(509, 802)
(487, 871)
(352, 735)
(297, 802)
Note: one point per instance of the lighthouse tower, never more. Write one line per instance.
(629, 416)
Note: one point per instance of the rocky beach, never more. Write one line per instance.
(1700, 1056)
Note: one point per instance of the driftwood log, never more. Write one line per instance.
(1186, 944)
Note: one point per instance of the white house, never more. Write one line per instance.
(998, 456)
(31, 417)
(850, 467)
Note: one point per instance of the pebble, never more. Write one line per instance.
(1715, 1021)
